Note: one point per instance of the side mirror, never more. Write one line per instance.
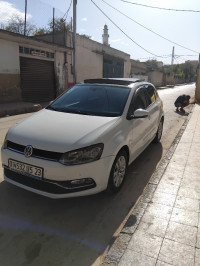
(139, 113)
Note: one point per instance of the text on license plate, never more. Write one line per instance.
(25, 168)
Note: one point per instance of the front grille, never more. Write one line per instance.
(46, 185)
(42, 154)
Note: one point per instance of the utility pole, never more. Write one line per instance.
(74, 39)
(25, 17)
(53, 23)
(172, 56)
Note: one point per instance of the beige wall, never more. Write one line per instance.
(156, 78)
(142, 77)
(60, 72)
(89, 64)
(127, 68)
(90, 58)
(10, 89)
(9, 57)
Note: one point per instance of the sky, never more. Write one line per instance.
(125, 33)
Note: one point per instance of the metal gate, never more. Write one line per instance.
(37, 79)
(113, 68)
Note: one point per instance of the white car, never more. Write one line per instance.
(83, 141)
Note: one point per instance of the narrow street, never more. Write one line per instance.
(77, 231)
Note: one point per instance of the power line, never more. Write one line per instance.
(149, 29)
(185, 55)
(163, 56)
(66, 13)
(168, 9)
(123, 31)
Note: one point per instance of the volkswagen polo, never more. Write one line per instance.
(83, 142)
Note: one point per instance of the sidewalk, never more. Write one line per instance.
(164, 227)
(15, 108)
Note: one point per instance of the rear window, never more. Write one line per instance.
(93, 99)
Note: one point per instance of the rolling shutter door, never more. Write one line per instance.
(38, 81)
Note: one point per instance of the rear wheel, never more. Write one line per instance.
(118, 172)
(159, 132)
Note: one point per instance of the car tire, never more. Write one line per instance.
(159, 132)
(118, 172)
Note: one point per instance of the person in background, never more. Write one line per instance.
(182, 101)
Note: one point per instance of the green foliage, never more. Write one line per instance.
(40, 31)
(86, 36)
(186, 71)
(16, 25)
(59, 25)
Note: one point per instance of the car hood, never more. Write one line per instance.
(61, 132)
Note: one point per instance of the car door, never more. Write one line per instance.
(152, 108)
(140, 127)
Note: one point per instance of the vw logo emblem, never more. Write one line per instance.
(28, 151)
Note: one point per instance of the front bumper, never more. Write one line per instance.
(56, 182)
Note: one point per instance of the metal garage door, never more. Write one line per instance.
(37, 79)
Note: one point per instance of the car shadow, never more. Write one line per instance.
(74, 231)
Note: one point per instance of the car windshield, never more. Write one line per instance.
(93, 99)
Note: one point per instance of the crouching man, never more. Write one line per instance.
(182, 101)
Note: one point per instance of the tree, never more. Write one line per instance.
(189, 71)
(16, 25)
(59, 25)
(41, 31)
(86, 36)
(186, 71)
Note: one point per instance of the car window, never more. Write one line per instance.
(151, 92)
(139, 101)
(93, 99)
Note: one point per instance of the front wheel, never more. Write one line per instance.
(159, 132)
(118, 172)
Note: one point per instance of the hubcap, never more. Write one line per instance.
(119, 171)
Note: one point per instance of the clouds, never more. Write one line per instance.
(7, 11)
(120, 42)
(84, 19)
(116, 40)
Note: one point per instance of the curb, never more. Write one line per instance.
(119, 244)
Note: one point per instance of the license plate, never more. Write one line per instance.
(26, 169)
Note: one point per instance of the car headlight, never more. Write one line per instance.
(84, 155)
(4, 146)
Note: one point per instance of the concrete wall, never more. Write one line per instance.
(156, 78)
(138, 68)
(171, 79)
(90, 58)
(10, 85)
(10, 89)
(60, 72)
(142, 77)
(127, 68)
(89, 63)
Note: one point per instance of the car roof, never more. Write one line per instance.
(117, 81)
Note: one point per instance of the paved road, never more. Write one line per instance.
(39, 231)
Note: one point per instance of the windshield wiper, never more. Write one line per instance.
(51, 108)
(77, 112)
(65, 110)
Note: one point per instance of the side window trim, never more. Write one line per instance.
(130, 110)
